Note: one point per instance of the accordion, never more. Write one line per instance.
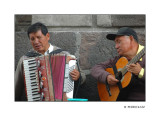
(47, 77)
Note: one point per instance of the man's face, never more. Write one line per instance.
(123, 45)
(39, 41)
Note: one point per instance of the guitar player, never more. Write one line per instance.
(126, 44)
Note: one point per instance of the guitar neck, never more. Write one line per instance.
(134, 60)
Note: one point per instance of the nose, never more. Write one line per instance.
(36, 41)
(116, 46)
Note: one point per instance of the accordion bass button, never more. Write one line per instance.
(41, 85)
(42, 96)
(38, 63)
(40, 74)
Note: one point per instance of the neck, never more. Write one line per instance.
(46, 48)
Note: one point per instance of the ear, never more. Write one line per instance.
(48, 36)
(131, 38)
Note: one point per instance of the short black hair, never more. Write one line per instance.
(36, 27)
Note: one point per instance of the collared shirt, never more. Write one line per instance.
(139, 49)
(50, 49)
(141, 73)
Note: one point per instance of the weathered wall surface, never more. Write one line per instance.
(83, 36)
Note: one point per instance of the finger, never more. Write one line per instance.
(114, 80)
(74, 70)
(132, 65)
(69, 58)
(129, 70)
(73, 73)
(138, 64)
(113, 83)
(72, 58)
(129, 66)
(74, 77)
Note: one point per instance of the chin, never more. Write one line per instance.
(38, 50)
(120, 54)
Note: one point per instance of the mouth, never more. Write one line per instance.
(37, 46)
(118, 50)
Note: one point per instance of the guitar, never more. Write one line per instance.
(125, 79)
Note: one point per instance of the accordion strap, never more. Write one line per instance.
(56, 51)
(35, 54)
(32, 54)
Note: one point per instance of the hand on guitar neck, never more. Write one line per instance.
(134, 68)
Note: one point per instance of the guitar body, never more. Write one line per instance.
(103, 93)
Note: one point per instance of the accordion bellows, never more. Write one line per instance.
(47, 78)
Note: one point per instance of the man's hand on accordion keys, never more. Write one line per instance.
(75, 74)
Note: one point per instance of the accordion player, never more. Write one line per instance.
(39, 39)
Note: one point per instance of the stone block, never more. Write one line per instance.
(63, 20)
(141, 38)
(95, 48)
(104, 20)
(22, 22)
(22, 45)
(128, 20)
(64, 40)
(23, 19)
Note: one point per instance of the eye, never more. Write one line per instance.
(117, 41)
(39, 37)
(32, 39)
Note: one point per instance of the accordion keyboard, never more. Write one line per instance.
(31, 78)
(68, 82)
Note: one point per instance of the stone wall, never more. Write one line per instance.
(83, 35)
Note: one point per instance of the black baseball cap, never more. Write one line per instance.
(123, 31)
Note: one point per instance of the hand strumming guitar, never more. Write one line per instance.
(112, 80)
